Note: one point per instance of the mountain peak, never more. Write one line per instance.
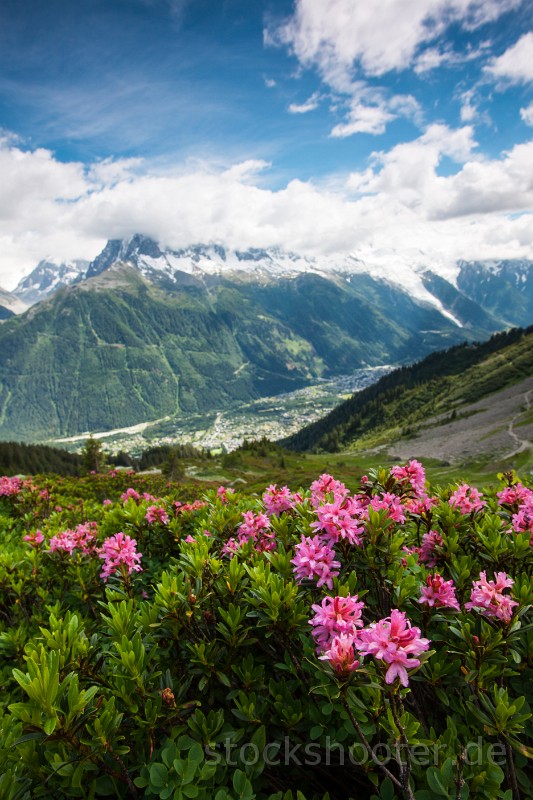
(48, 276)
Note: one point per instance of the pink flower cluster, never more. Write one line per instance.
(116, 551)
(223, 493)
(130, 494)
(336, 616)
(34, 539)
(315, 560)
(412, 474)
(514, 495)
(326, 489)
(520, 500)
(156, 514)
(439, 593)
(396, 642)
(256, 529)
(181, 508)
(420, 505)
(467, 499)
(487, 597)
(341, 655)
(10, 487)
(427, 553)
(390, 503)
(83, 538)
(340, 519)
(277, 500)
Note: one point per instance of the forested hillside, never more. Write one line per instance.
(442, 381)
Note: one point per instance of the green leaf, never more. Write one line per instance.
(435, 783)
(158, 775)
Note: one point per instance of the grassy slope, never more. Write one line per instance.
(442, 383)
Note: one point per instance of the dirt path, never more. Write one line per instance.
(521, 444)
(488, 429)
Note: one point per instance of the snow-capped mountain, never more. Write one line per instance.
(491, 293)
(47, 277)
(168, 267)
(505, 288)
(146, 332)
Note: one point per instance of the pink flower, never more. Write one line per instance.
(327, 488)
(130, 494)
(180, 508)
(231, 547)
(34, 539)
(10, 487)
(428, 554)
(390, 503)
(107, 502)
(315, 560)
(523, 519)
(156, 514)
(467, 499)
(341, 654)
(414, 474)
(335, 616)
(256, 529)
(117, 550)
(83, 538)
(439, 593)
(189, 538)
(394, 641)
(420, 505)
(514, 495)
(277, 501)
(63, 541)
(222, 493)
(488, 598)
(253, 525)
(340, 519)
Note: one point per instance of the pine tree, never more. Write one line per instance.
(93, 455)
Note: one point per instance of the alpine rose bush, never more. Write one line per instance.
(369, 639)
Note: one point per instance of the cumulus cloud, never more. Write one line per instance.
(409, 173)
(516, 64)
(378, 37)
(351, 44)
(401, 207)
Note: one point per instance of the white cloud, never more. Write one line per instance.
(516, 64)
(430, 59)
(310, 105)
(364, 119)
(270, 83)
(246, 170)
(469, 110)
(378, 37)
(527, 114)
(401, 207)
(409, 174)
(347, 41)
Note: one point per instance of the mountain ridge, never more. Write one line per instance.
(143, 332)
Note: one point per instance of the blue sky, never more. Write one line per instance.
(388, 127)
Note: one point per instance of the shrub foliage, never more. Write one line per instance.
(157, 643)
